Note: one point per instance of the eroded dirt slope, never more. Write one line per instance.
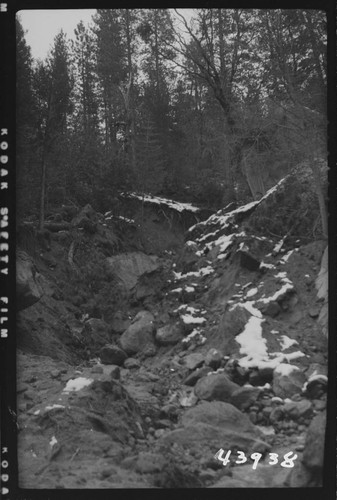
(138, 382)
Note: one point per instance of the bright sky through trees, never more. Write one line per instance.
(43, 25)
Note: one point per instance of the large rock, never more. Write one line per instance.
(232, 323)
(219, 414)
(244, 397)
(170, 334)
(215, 387)
(208, 427)
(112, 355)
(28, 290)
(128, 267)
(322, 285)
(193, 361)
(308, 471)
(139, 335)
(313, 455)
(96, 333)
(298, 409)
(288, 380)
(193, 377)
(213, 358)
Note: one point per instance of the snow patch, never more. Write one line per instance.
(287, 342)
(286, 256)
(77, 384)
(180, 207)
(53, 441)
(51, 407)
(286, 369)
(252, 343)
(249, 306)
(251, 292)
(189, 319)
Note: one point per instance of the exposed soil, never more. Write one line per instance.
(150, 422)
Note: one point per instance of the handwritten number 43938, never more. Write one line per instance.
(288, 461)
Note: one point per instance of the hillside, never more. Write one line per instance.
(152, 336)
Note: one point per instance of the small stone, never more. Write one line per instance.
(271, 309)
(267, 411)
(131, 363)
(159, 432)
(314, 312)
(297, 397)
(300, 409)
(20, 388)
(253, 416)
(30, 395)
(55, 373)
(244, 397)
(276, 414)
(169, 334)
(193, 377)
(213, 358)
(169, 410)
(319, 404)
(115, 372)
(112, 355)
(193, 361)
(248, 261)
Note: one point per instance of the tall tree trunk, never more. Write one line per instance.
(130, 110)
(320, 196)
(43, 193)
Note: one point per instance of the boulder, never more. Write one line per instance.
(298, 409)
(271, 309)
(213, 358)
(131, 363)
(248, 261)
(128, 267)
(232, 323)
(193, 361)
(96, 333)
(170, 334)
(288, 380)
(28, 290)
(204, 439)
(244, 397)
(322, 280)
(219, 414)
(313, 454)
(215, 387)
(193, 377)
(139, 335)
(260, 376)
(119, 324)
(112, 355)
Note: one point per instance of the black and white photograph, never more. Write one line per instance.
(171, 247)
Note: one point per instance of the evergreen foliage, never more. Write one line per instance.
(215, 109)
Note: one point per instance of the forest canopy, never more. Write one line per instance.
(214, 108)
